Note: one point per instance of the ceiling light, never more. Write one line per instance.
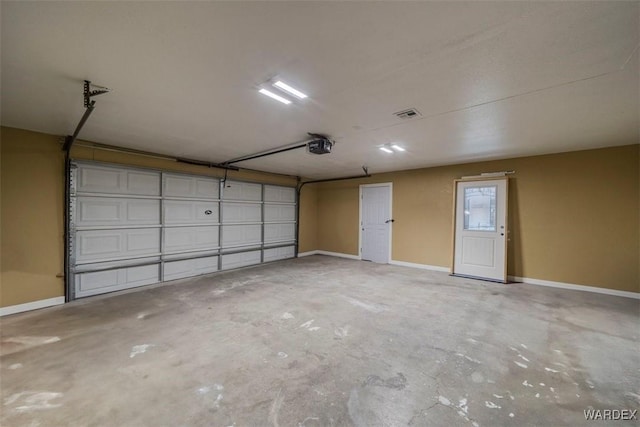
(397, 147)
(274, 96)
(386, 150)
(290, 90)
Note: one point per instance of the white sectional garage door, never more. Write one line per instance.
(132, 227)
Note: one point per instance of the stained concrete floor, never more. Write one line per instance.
(323, 341)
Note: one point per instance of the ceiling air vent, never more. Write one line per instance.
(408, 114)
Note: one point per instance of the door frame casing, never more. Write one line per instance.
(390, 228)
(454, 224)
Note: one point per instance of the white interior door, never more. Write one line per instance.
(481, 229)
(375, 222)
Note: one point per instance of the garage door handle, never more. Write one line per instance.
(389, 220)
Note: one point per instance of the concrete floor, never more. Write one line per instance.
(323, 341)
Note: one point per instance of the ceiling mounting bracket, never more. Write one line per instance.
(89, 105)
(88, 93)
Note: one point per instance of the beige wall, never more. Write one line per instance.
(308, 237)
(338, 216)
(32, 217)
(574, 217)
(32, 203)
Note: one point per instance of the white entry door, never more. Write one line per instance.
(375, 222)
(481, 229)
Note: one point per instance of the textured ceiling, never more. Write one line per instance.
(491, 79)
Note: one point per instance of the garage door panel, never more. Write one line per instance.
(235, 190)
(190, 267)
(95, 244)
(99, 180)
(140, 241)
(279, 212)
(143, 211)
(190, 212)
(240, 260)
(124, 221)
(102, 211)
(99, 282)
(276, 193)
(108, 180)
(241, 235)
(209, 188)
(274, 254)
(99, 211)
(178, 212)
(279, 232)
(143, 183)
(99, 245)
(191, 187)
(241, 212)
(190, 238)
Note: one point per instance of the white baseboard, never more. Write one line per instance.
(531, 281)
(338, 254)
(303, 254)
(34, 305)
(574, 287)
(421, 266)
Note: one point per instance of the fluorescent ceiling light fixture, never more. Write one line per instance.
(397, 147)
(274, 96)
(290, 90)
(386, 150)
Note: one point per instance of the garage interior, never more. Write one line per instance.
(178, 248)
